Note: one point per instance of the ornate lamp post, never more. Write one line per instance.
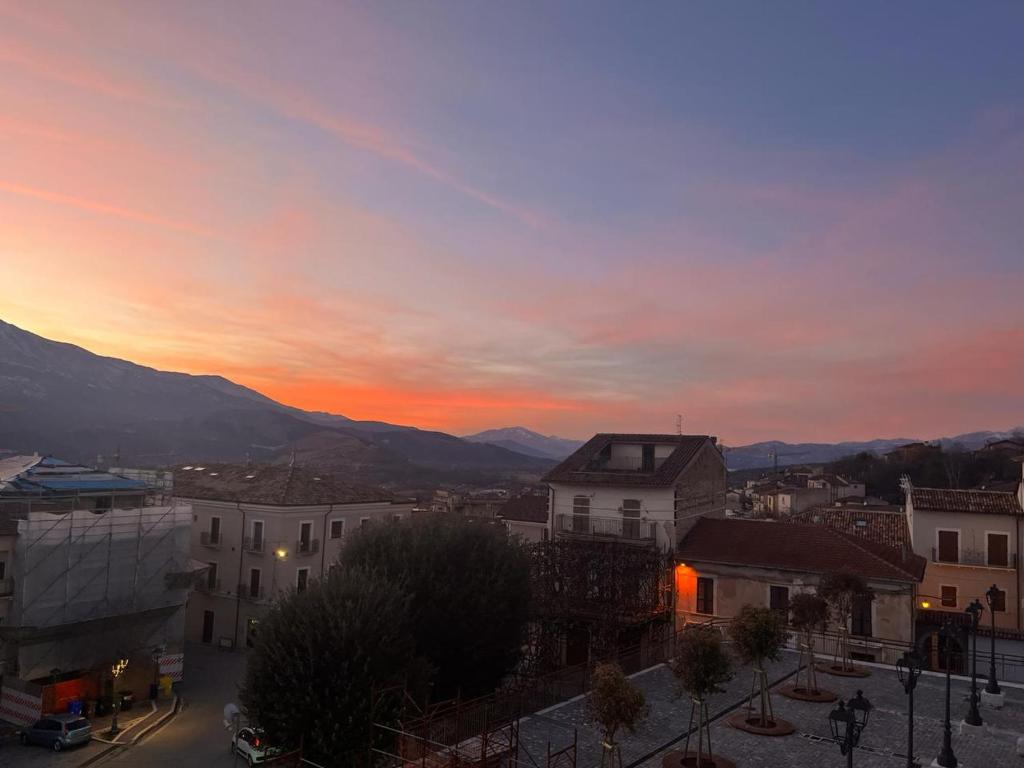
(847, 722)
(908, 669)
(975, 609)
(991, 596)
(946, 757)
(116, 671)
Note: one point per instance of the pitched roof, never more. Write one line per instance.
(530, 508)
(272, 484)
(48, 476)
(971, 502)
(581, 468)
(795, 547)
(882, 526)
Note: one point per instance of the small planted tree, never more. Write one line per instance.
(843, 591)
(758, 635)
(808, 614)
(701, 666)
(614, 703)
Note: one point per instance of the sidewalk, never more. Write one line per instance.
(132, 726)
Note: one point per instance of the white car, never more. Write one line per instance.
(250, 744)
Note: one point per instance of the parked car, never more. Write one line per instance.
(250, 744)
(58, 732)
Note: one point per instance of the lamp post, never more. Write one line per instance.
(908, 669)
(974, 610)
(116, 671)
(847, 722)
(946, 757)
(991, 596)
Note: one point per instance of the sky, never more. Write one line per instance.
(781, 220)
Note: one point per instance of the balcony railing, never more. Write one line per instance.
(307, 547)
(6, 587)
(974, 557)
(254, 546)
(209, 585)
(625, 528)
(246, 592)
(210, 539)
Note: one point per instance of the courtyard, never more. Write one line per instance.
(882, 745)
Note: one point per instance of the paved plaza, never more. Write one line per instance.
(883, 744)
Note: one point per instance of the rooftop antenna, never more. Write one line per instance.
(679, 424)
(291, 462)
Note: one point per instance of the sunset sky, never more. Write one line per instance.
(778, 219)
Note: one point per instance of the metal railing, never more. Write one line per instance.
(209, 585)
(210, 539)
(307, 547)
(626, 528)
(974, 557)
(246, 592)
(255, 546)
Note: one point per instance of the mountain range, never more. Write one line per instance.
(60, 399)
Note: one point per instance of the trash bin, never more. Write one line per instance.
(75, 707)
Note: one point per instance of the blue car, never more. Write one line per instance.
(58, 732)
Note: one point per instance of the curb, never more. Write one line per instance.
(114, 746)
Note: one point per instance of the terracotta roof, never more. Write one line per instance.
(882, 526)
(972, 502)
(528, 509)
(272, 484)
(795, 547)
(580, 467)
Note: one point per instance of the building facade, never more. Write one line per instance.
(263, 530)
(646, 489)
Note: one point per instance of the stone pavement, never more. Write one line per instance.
(883, 744)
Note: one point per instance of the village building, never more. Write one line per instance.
(263, 530)
(526, 517)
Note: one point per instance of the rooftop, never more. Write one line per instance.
(796, 547)
(271, 484)
(530, 508)
(36, 476)
(970, 502)
(883, 526)
(588, 465)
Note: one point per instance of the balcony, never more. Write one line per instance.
(626, 529)
(974, 558)
(246, 592)
(254, 546)
(209, 586)
(307, 547)
(211, 539)
(6, 587)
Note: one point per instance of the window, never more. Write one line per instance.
(257, 535)
(778, 600)
(3, 566)
(861, 623)
(948, 597)
(581, 514)
(999, 549)
(631, 518)
(301, 579)
(305, 536)
(647, 459)
(396, 518)
(949, 546)
(211, 577)
(363, 522)
(254, 582)
(337, 529)
(207, 626)
(214, 530)
(705, 595)
(999, 604)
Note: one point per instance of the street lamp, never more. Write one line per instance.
(946, 757)
(116, 671)
(974, 610)
(908, 669)
(847, 721)
(991, 596)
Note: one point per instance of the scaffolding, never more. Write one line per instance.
(91, 583)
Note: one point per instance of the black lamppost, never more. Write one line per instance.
(991, 596)
(847, 721)
(946, 757)
(908, 669)
(975, 609)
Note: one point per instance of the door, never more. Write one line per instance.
(257, 536)
(305, 536)
(207, 626)
(214, 530)
(254, 582)
(581, 514)
(631, 518)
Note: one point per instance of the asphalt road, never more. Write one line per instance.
(196, 735)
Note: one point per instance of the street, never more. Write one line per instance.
(196, 736)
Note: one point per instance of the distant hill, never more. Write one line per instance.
(523, 440)
(61, 399)
(758, 455)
